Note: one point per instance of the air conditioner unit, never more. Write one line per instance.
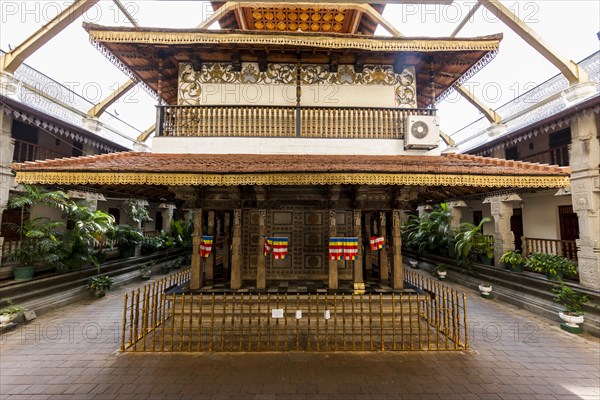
(422, 132)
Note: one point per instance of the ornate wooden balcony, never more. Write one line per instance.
(25, 151)
(276, 121)
(555, 156)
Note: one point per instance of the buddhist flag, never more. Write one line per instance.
(336, 248)
(350, 248)
(377, 242)
(206, 245)
(278, 246)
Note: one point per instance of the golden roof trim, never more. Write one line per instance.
(167, 37)
(195, 179)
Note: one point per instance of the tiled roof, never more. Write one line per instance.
(252, 163)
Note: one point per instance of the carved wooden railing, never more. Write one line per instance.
(563, 248)
(150, 233)
(25, 151)
(275, 121)
(8, 247)
(555, 156)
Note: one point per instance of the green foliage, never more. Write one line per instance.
(86, 230)
(513, 257)
(572, 300)
(126, 236)
(152, 244)
(137, 211)
(37, 195)
(550, 264)
(101, 283)
(10, 308)
(431, 233)
(39, 241)
(470, 241)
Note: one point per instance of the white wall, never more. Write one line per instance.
(233, 145)
(540, 214)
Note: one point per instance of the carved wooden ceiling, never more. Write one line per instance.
(322, 17)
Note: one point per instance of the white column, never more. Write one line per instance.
(502, 210)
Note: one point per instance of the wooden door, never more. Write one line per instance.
(516, 226)
(569, 224)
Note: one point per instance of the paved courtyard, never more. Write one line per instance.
(72, 354)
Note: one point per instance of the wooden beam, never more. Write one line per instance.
(568, 68)
(466, 19)
(122, 8)
(146, 134)
(100, 107)
(490, 114)
(10, 61)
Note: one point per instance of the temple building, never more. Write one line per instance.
(294, 125)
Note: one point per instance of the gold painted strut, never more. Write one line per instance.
(198, 179)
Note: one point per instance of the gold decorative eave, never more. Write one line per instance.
(173, 37)
(195, 179)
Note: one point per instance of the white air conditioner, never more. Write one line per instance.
(422, 132)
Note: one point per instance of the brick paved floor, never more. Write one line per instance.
(71, 354)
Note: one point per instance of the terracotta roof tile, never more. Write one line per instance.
(253, 163)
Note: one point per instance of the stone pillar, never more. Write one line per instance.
(368, 252)
(261, 270)
(502, 210)
(167, 217)
(92, 205)
(236, 249)
(7, 147)
(358, 265)
(585, 192)
(456, 210)
(397, 268)
(384, 268)
(210, 260)
(196, 273)
(226, 240)
(333, 264)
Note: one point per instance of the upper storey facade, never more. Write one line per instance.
(308, 90)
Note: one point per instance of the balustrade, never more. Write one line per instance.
(285, 121)
(563, 248)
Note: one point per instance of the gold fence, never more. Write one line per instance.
(430, 316)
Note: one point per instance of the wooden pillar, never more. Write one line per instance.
(333, 264)
(368, 252)
(226, 240)
(196, 273)
(358, 265)
(261, 270)
(210, 260)
(236, 248)
(383, 256)
(397, 271)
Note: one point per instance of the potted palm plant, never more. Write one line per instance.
(127, 238)
(514, 259)
(468, 243)
(38, 245)
(573, 302)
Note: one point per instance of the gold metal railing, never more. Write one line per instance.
(432, 317)
(563, 248)
(285, 121)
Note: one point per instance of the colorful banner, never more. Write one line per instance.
(377, 242)
(343, 248)
(277, 246)
(206, 245)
